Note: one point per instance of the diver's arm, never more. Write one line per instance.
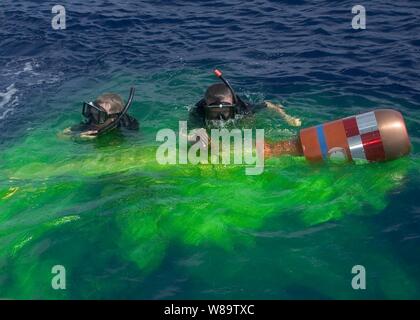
(91, 134)
(291, 147)
(71, 133)
(295, 122)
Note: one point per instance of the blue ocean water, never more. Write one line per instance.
(304, 54)
(282, 49)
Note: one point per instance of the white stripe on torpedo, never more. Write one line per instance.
(366, 122)
(356, 147)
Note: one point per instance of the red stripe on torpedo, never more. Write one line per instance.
(350, 125)
(372, 143)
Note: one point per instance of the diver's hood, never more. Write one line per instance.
(97, 119)
(220, 110)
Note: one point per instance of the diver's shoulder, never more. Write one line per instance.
(129, 122)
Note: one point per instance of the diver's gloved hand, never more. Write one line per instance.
(199, 135)
(89, 134)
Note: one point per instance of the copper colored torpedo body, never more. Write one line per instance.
(379, 135)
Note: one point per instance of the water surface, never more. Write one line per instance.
(127, 227)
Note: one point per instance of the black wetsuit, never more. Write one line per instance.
(129, 122)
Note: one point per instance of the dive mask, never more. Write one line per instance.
(94, 113)
(97, 115)
(222, 111)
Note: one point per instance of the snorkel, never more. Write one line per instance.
(236, 100)
(219, 74)
(114, 123)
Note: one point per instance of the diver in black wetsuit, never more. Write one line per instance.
(221, 103)
(106, 113)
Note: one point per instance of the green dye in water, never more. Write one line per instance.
(112, 194)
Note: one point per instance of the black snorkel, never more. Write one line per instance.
(113, 124)
(236, 99)
(219, 74)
